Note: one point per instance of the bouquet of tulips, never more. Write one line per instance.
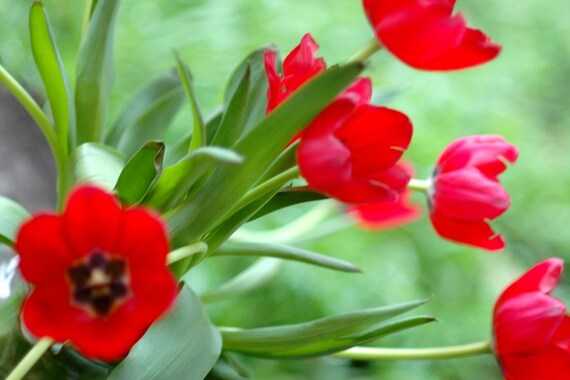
(99, 287)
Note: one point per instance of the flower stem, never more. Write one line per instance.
(372, 353)
(366, 51)
(187, 251)
(30, 359)
(422, 185)
(262, 189)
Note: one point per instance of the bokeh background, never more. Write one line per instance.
(524, 95)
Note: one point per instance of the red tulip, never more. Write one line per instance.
(387, 215)
(531, 328)
(424, 34)
(298, 67)
(98, 274)
(350, 150)
(466, 192)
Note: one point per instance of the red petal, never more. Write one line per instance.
(111, 339)
(425, 35)
(526, 323)
(274, 91)
(44, 253)
(92, 220)
(143, 240)
(474, 49)
(543, 277)
(376, 138)
(468, 195)
(386, 215)
(487, 153)
(550, 364)
(47, 312)
(478, 234)
(301, 65)
(359, 92)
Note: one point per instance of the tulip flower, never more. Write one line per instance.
(465, 192)
(387, 215)
(350, 150)
(98, 274)
(298, 67)
(425, 35)
(531, 328)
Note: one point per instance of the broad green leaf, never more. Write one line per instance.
(320, 348)
(257, 99)
(198, 129)
(53, 74)
(11, 217)
(141, 173)
(164, 86)
(181, 345)
(324, 335)
(232, 122)
(95, 72)
(251, 279)
(175, 182)
(285, 252)
(97, 164)
(260, 147)
(182, 147)
(286, 198)
(153, 124)
(229, 368)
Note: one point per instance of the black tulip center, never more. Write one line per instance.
(99, 283)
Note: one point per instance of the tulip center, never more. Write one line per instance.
(99, 283)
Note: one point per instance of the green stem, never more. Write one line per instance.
(422, 185)
(372, 353)
(30, 359)
(267, 186)
(37, 114)
(187, 251)
(366, 51)
(304, 225)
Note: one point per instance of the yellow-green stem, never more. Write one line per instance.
(373, 353)
(30, 359)
(366, 51)
(422, 185)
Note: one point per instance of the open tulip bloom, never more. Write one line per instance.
(106, 276)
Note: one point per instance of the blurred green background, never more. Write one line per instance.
(524, 95)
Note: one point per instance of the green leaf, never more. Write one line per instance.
(144, 100)
(287, 198)
(231, 125)
(324, 335)
(285, 252)
(260, 147)
(153, 123)
(141, 173)
(182, 345)
(198, 129)
(97, 164)
(11, 217)
(251, 279)
(95, 72)
(53, 74)
(175, 182)
(257, 99)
